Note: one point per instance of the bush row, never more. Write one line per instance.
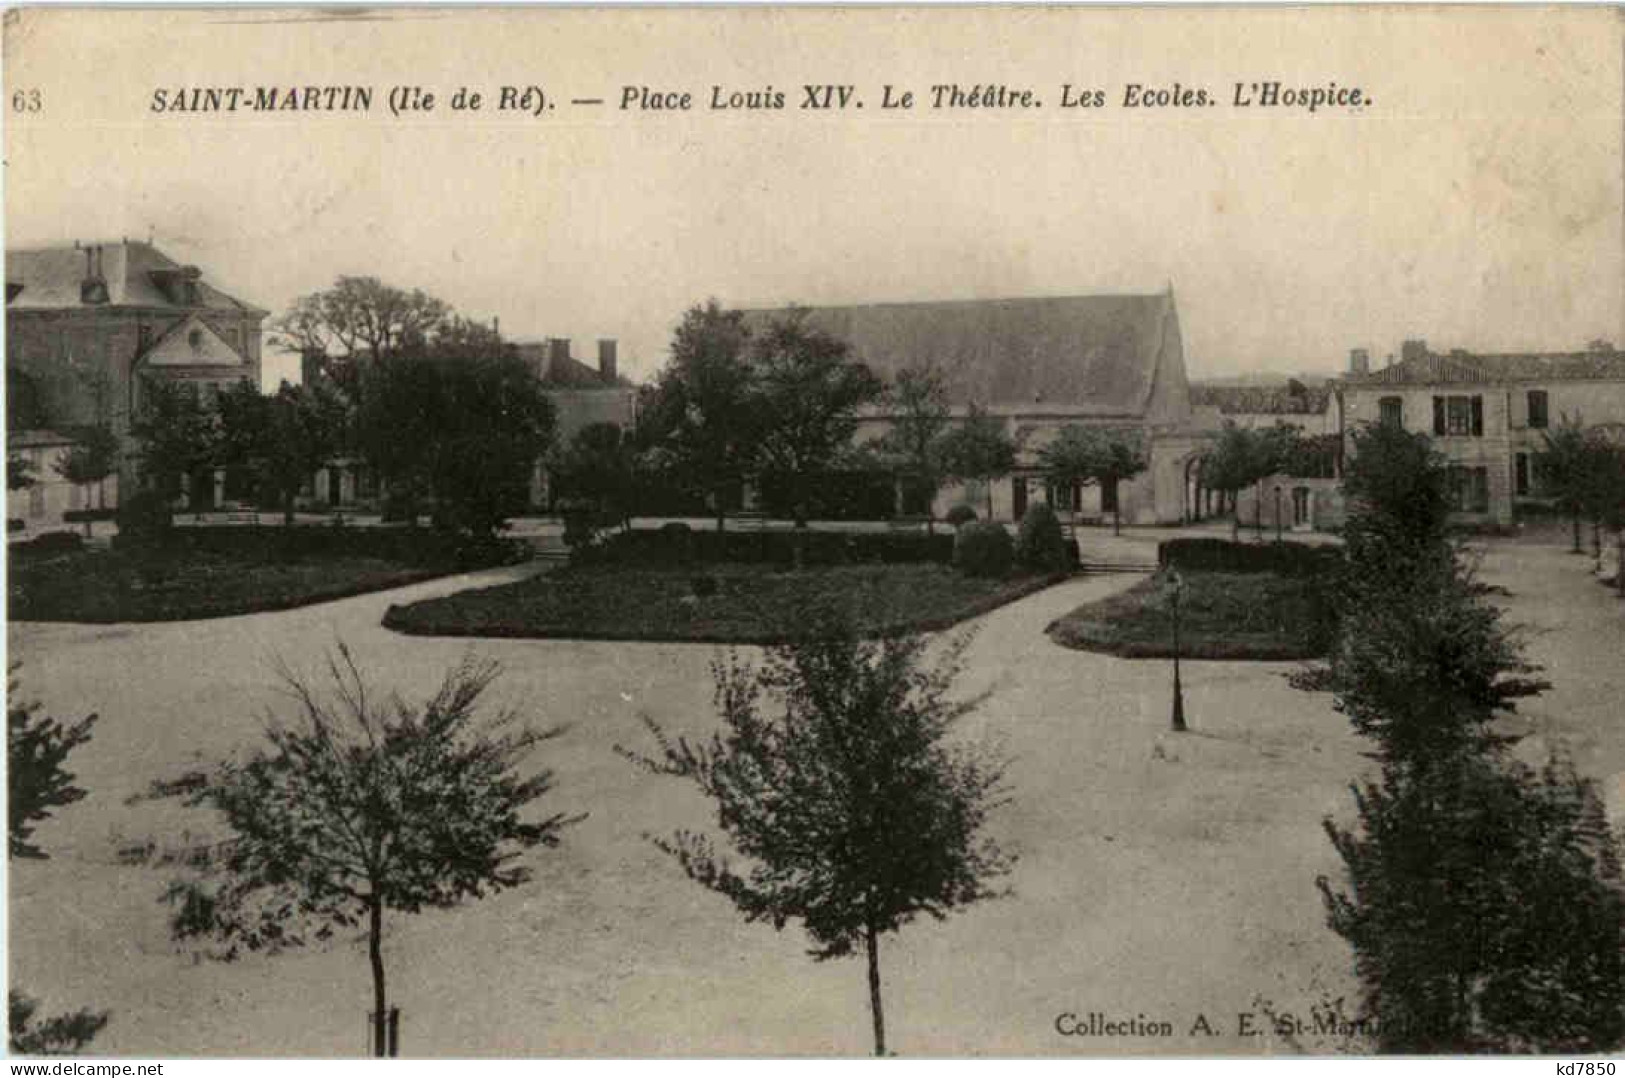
(414, 547)
(1223, 556)
(47, 545)
(678, 544)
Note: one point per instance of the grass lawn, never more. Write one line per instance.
(188, 580)
(1258, 616)
(750, 604)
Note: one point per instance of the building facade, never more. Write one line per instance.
(1487, 413)
(1039, 365)
(86, 324)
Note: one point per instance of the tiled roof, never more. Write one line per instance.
(1294, 398)
(50, 278)
(1096, 354)
(1467, 367)
(565, 372)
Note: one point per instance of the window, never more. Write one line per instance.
(1469, 489)
(1537, 409)
(1391, 411)
(1520, 474)
(1458, 416)
(1300, 507)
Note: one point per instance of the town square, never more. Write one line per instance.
(1136, 570)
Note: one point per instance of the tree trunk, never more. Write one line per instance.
(1619, 565)
(1575, 520)
(375, 952)
(721, 508)
(1258, 510)
(1235, 520)
(876, 1010)
(1117, 521)
(989, 497)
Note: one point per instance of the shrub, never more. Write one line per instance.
(145, 516)
(983, 549)
(1223, 556)
(704, 586)
(961, 515)
(48, 545)
(1040, 546)
(679, 546)
(89, 516)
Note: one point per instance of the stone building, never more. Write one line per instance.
(1487, 412)
(1038, 365)
(87, 323)
(581, 394)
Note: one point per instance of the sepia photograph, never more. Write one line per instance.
(668, 532)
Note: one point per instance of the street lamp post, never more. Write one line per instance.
(1179, 692)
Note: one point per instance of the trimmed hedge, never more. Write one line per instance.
(48, 545)
(90, 516)
(1223, 556)
(983, 548)
(276, 544)
(1040, 546)
(678, 545)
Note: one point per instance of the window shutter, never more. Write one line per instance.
(1478, 417)
(1438, 416)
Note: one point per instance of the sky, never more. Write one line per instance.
(1477, 202)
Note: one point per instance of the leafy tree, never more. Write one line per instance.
(1104, 455)
(92, 458)
(808, 393)
(1230, 465)
(1422, 665)
(978, 449)
(700, 413)
(459, 418)
(64, 1034)
(37, 747)
(600, 469)
(1604, 493)
(1068, 458)
(19, 471)
(918, 402)
(1485, 909)
(364, 804)
(37, 782)
(834, 781)
(1484, 902)
(1564, 464)
(1399, 503)
(357, 322)
(284, 437)
(178, 436)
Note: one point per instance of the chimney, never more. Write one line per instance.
(558, 355)
(606, 360)
(1359, 361)
(1413, 349)
(93, 289)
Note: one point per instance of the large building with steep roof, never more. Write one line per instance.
(1040, 364)
(87, 323)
